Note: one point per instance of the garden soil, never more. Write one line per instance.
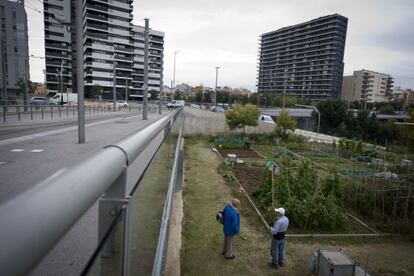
(240, 153)
(205, 192)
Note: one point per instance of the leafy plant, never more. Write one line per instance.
(284, 124)
(311, 201)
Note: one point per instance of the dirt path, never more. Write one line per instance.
(205, 192)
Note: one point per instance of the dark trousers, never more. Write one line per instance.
(277, 250)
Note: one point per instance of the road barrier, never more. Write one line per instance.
(35, 112)
(34, 222)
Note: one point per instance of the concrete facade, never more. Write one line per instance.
(367, 86)
(111, 44)
(14, 51)
(305, 60)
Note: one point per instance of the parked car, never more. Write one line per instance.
(195, 106)
(41, 101)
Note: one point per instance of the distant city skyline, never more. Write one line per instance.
(379, 38)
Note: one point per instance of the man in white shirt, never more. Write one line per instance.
(278, 230)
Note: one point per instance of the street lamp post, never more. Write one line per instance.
(146, 65)
(79, 69)
(114, 85)
(215, 89)
(314, 108)
(173, 82)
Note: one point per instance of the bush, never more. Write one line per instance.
(310, 202)
(228, 142)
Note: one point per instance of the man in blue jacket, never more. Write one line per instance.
(231, 227)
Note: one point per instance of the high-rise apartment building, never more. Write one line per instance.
(111, 44)
(14, 50)
(155, 62)
(304, 60)
(367, 86)
(59, 54)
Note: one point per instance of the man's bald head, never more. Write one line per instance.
(235, 202)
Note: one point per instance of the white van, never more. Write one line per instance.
(266, 119)
(65, 98)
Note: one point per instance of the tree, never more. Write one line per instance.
(97, 90)
(407, 131)
(153, 94)
(242, 116)
(21, 85)
(284, 123)
(178, 95)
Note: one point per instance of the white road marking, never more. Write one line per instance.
(51, 132)
(131, 117)
(54, 175)
(17, 150)
(37, 150)
(2, 163)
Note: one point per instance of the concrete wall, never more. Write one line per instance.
(205, 122)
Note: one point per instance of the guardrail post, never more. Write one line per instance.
(18, 113)
(89, 110)
(4, 113)
(31, 113)
(60, 112)
(51, 112)
(73, 110)
(42, 111)
(109, 205)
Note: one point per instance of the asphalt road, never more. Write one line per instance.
(29, 153)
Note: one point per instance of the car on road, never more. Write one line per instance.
(195, 106)
(176, 104)
(217, 109)
(122, 104)
(41, 101)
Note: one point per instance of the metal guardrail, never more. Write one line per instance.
(31, 112)
(160, 256)
(33, 222)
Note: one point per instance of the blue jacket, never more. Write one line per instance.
(231, 225)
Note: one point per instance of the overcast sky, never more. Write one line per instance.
(221, 33)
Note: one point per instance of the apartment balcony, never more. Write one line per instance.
(97, 7)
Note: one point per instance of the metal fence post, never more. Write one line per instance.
(126, 264)
(18, 113)
(109, 205)
(67, 111)
(73, 110)
(42, 111)
(4, 113)
(60, 112)
(31, 112)
(51, 112)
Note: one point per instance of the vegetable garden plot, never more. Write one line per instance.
(240, 153)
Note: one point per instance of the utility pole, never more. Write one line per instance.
(114, 85)
(26, 89)
(215, 89)
(3, 67)
(284, 93)
(173, 82)
(79, 69)
(160, 100)
(126, 89)
(145, 98)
